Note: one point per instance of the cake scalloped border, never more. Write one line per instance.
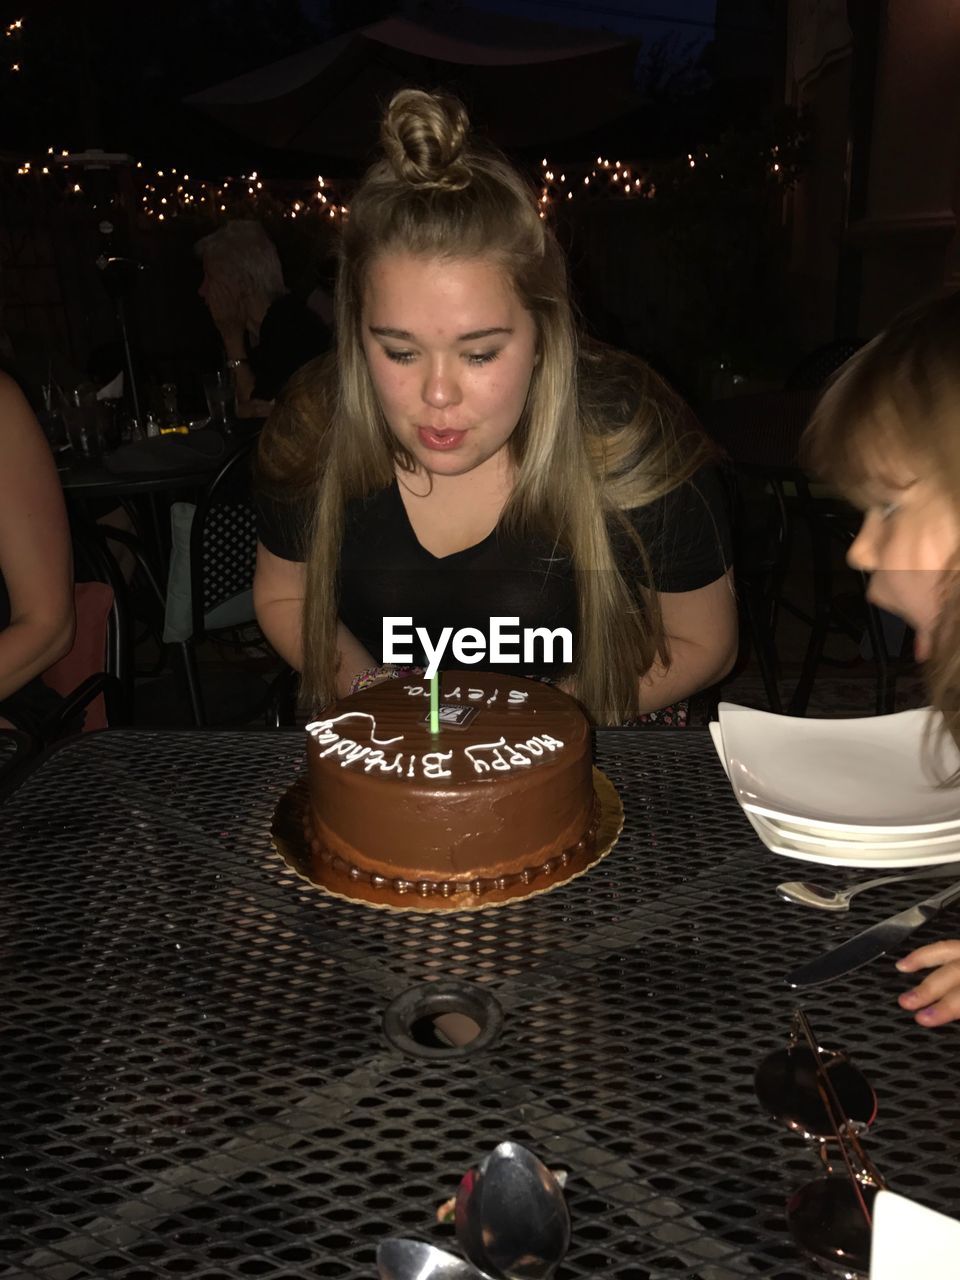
(288, 836)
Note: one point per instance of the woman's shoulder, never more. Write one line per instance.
(643, 438)
(616, 386)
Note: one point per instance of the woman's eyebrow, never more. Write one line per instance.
(404, 335)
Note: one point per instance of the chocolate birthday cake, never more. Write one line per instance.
(496, 805)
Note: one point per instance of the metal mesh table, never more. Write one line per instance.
(195, 1079)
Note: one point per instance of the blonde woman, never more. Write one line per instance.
(267, 332)
(462, 458)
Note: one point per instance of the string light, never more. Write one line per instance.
(163, 194)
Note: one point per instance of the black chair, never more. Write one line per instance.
(816, 367)
(16, 749)
(92, 562)
(93, 680)
(222, 559)
(760, 435)
(833, 527)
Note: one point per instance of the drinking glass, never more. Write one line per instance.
(218, 388)
(81, 413)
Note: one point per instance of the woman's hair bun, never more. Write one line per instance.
(423, 137)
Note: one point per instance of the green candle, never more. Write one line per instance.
(435, 703)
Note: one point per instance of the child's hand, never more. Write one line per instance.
(937, 998)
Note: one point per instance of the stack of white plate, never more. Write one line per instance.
(860, 792)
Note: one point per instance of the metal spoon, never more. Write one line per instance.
(511, 1216)
(815, 895)
(399, 1259)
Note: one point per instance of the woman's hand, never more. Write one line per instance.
(936, 1000)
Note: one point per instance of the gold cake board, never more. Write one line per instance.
(288, 835)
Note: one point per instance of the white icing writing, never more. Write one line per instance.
(515, 698)
(433, 764)
(536, 746)
(323, 725)
(500, 756)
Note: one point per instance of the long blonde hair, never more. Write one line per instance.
(898, 399)
(600, 434)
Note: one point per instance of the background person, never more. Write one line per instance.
(36, 566)
(461, 458)
(267, 332)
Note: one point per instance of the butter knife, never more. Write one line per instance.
(872, 942)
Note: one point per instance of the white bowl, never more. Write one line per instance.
(866, 852)
(862, 777)
(864, 855)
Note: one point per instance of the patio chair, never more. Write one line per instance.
(817, 366)
(210, 583)
(761, 435)
(93, 678)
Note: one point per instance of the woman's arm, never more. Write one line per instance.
(278, 596)
(35, 555)
(702, 636)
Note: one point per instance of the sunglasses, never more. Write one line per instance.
(818, 1093)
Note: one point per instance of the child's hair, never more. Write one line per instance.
(582, 453)
(895, 407)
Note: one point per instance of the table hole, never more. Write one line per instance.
(443, 1020)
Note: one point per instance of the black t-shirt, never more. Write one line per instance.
(290, 335)
(385, 572)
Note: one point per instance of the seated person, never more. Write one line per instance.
(267, 332)
(36, 567)
(885, 434)
(459, 460)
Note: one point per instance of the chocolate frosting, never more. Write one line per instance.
(500, 805)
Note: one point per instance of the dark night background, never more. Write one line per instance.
(105, 74)
(109, 74)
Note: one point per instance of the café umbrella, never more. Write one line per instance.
(526, 83)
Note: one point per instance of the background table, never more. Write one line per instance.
(195, 1079)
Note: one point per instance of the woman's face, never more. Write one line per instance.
(908, 542)
(451, 351)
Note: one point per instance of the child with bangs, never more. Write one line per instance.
(887, 434)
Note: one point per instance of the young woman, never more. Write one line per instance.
(887, 434)
(462, 458)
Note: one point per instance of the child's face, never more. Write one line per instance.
(909, 538)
